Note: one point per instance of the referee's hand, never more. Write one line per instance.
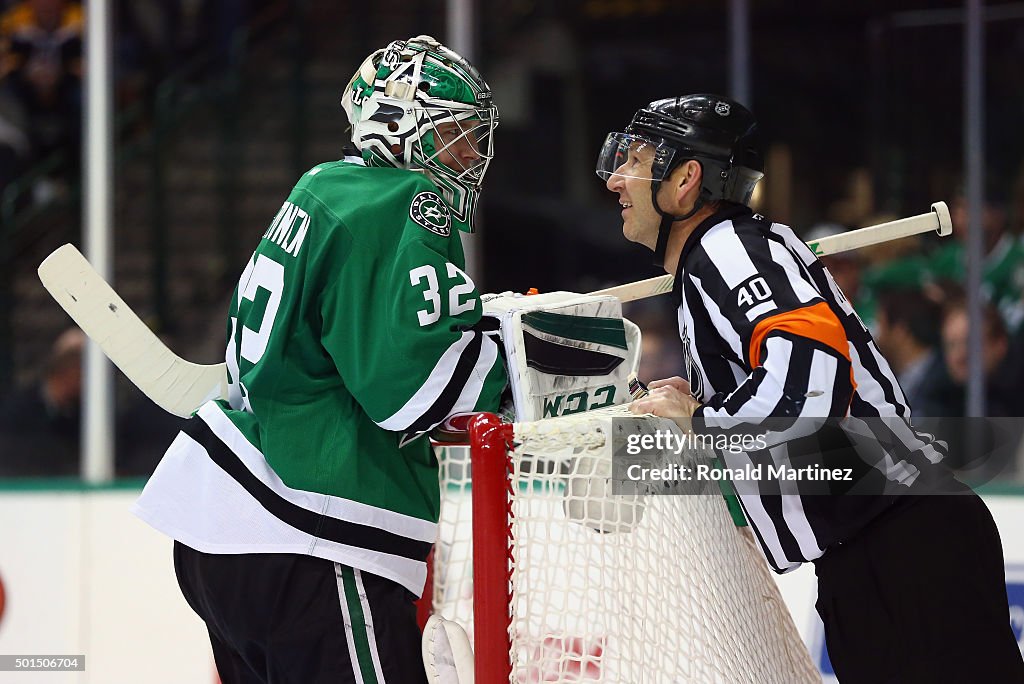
(675, 381)
(667, 398)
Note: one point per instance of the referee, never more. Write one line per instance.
(910, 587)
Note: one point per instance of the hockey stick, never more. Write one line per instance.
(937, 219)
(181, 387)
(172, 383)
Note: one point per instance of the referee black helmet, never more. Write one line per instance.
(718, 132)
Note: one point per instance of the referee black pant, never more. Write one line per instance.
(920, 596)
(280, 618)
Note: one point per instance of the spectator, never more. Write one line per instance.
(1003, 270)
(1002, 396)
(39, 425)
(41, 64)
(908, 336)
(986, 449)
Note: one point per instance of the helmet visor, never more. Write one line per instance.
(633, 156)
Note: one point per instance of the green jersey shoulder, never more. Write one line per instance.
(352, 328)
(380, 205)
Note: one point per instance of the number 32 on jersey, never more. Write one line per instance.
(459, 287)
(264, 273)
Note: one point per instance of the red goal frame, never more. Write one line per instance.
(490, 446)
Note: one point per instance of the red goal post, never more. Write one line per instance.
(490, 449)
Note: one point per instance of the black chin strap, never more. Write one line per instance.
(665, 229)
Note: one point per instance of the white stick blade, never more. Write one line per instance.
(176, 385)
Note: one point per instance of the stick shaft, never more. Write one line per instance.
(180, 387)
(937, 220)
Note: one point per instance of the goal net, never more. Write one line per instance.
(575, 584)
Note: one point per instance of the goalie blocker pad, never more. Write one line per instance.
(566, 352)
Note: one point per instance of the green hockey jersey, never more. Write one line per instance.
(350, 334)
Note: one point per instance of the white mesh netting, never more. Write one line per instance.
(632, 589)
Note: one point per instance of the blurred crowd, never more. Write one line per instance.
(41, 422)
(40, 82)
(41, 101)
(41, 70)
(910, 294)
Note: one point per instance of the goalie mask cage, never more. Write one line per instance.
(557, 580)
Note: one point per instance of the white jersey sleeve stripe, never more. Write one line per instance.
(912, 440)
(821, 385)
(761, 309)
(762, 403)
(869, 386)
(802, 288)
(725, 250)
(759, 517)
(429, 392)
(793, 510)
(722, 324)
(470, 395)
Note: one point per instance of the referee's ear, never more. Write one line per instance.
(682, 187)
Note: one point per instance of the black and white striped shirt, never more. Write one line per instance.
(769, 338)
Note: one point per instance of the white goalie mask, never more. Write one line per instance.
(418, 105)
